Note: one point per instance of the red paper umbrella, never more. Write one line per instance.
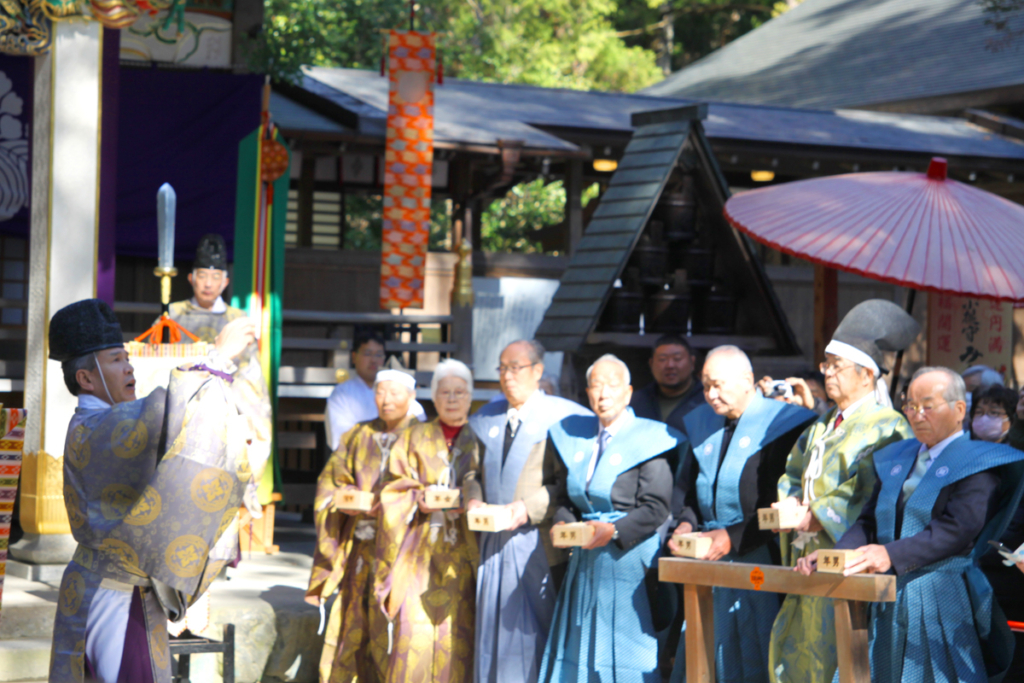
(918, 230)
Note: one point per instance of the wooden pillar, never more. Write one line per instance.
(63, 249)
(826, 308)
(700, 634)
(304, 220)
(852, 641)
(573, 201)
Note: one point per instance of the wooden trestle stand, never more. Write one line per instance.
(850, 593)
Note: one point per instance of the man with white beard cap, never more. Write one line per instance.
(831, 470)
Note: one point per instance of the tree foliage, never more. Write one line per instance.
(553, 43)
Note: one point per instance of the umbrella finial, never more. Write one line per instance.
(937, 168)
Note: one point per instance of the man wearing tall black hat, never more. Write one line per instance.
(830, 470)
(152, 489)
(206, 314)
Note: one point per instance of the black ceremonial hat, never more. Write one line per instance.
(212, 253)
(83, 327)
(876, 326)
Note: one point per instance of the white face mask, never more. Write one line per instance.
(988, 428)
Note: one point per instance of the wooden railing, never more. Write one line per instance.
(850, 593)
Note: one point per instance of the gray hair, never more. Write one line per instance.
(450, 368)
(736, 353)
(534, 349)
(955, 389)
(609, 358)
(71, 367)
(989, 376)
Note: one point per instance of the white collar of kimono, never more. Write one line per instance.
(90, 402)
(523, 410)
(624, 418)
(852, 408)
(218, 306)
(852, 353)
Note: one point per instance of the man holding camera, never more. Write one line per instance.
(830, 471)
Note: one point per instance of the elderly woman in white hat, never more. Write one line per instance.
(426, 555)
(347, 512)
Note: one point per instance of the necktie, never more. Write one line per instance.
(839, 421)
(602, 441)
(513, 420)
(924, 461)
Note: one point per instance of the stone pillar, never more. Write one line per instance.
(66, 147)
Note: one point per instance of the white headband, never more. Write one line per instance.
(403, 378)
(844, 350)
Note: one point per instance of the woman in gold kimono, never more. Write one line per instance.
(356, 641)
(427, 558)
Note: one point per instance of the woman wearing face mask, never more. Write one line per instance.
(993, 412)
(996, 416)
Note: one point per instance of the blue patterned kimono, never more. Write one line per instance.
(743, 618)
(944, 625)
(515, 596)
(603, 628)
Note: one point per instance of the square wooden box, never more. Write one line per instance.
(355, 500)
(442, 499)
(490, 518)
(693, 545)
(781, 518)
(571, 535)
(835, 561)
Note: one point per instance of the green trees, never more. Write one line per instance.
(553, 43)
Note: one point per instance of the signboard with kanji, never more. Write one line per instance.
(963, 332)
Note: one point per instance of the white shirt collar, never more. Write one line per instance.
(852, 408)
(523, 409)
(937, 449)
(624, 418)
(218, 306)
(90, 402)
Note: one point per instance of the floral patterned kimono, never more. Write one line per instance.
(832, 470)
(356, 641)
(426, 571)
(152, 489)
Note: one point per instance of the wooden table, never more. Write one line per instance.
(850, 593)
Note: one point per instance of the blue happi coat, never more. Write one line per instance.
(603, 628)
(515, 595)
(743, 619)
(945, 625)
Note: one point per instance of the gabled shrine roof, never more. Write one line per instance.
(469, 113)
(829, 54)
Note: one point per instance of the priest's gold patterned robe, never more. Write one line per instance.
(355, 643)
(426, 571)
(152, 489)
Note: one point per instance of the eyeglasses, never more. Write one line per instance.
(456, 395)
(514, 369)
(926, 409)
(834, 367)
(997, 413)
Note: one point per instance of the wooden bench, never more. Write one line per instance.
(850, 593)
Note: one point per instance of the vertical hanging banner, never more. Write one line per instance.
(963, 332)
(261, 210)
(408, 168)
